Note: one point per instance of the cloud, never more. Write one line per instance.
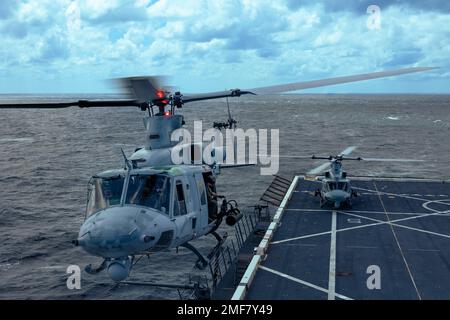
(209, 45)
(55, 47)
(360, 6)
(116, 12)
(7, 7)
(14, 29)
(28, 17)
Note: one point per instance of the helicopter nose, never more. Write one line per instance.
(338, 196)
(116, 232)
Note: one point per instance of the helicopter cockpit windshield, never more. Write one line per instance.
(104, 192)
(343, 186)
(151, 191)
(333, 185)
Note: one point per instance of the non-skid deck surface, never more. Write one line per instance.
(401, 229)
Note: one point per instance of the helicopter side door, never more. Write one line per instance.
(182, 211)
(202, 217)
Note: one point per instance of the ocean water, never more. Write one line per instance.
(47, 157)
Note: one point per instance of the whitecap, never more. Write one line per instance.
(16, 140)
(7, 266)
(393, 118)
(53, 267)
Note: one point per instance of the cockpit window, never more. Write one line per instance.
(151, 191)
(331, 185)
(337, 186)
(342, 186)
(104, 193)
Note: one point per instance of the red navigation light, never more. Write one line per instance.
(167, 113)
(160, 94)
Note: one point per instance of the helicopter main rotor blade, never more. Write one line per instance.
(143, 89)
(302, 85)
(150, 89)
(79, 103)
(326, 165)
(391, 160)
(50, 105)
(338, 80)
(214, 95)
(347, 151)
(284, 156)
(319, 169)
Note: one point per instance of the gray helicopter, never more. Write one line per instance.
(153, 204)
(336, 189)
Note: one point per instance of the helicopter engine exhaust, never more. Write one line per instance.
(232, 219)
(119, 269)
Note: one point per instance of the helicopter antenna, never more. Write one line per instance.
(127, 162)
(231, 121)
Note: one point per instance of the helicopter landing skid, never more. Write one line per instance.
(99, 269)
(218, 237)
(201, 263)
(322, 203)
(220, 242)
(317, 193)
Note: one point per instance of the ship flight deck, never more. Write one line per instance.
(393, 243)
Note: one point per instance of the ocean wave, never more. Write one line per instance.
(33, 255)
(39, 216)
(16, 140)
(392, 118)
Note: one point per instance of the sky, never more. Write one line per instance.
(73, 46)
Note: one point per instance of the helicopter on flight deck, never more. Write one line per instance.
(153, 204)
(335, 188)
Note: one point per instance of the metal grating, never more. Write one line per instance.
(274, 194)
